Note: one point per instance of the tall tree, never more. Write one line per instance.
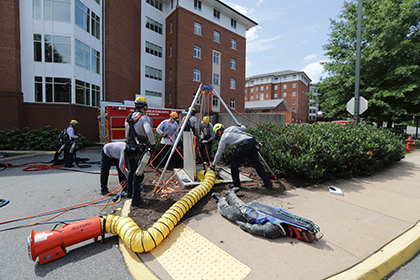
(390, 60)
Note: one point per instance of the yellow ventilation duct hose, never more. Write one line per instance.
(139, 240)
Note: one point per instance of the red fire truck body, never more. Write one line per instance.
(112, 119)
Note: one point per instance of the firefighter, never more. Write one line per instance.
(168, 129)
(112, 154)
(70, 143)
(246, 148)
(206, 138)
(138, 130)
(192, 122)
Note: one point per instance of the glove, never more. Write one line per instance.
(164, 134)
(204, 141)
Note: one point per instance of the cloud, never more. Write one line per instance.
(251, 34)
(310, 57)
(314, 71)
(262, 44)
(259, 2)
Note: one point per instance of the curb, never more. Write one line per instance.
(134, 265)
(385, 260)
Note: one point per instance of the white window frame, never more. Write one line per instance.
(232, 83)
(197, 28)
(197, 51)
(233, 43)
(233, 63)
(216, 36)
(197, 75)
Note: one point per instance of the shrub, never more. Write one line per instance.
(326, 151)
(36, 139)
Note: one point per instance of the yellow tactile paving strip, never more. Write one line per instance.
(185, 254)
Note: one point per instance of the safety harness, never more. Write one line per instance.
(136, 144)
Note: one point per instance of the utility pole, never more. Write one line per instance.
(358, 47)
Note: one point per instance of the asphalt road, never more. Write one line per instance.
(33, 192)
(409, 271)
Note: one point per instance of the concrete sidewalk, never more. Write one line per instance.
(357, 228)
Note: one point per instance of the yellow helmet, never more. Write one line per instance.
(206, 120)
(217, 127)
(74, 122)
(140, 102)
(174, 115)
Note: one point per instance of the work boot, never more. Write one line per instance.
(216, 196)
(104, 192)
(233, 185)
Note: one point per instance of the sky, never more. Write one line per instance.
(289, 34)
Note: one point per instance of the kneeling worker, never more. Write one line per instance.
(112, 154)
(236, 135)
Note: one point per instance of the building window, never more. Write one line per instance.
(262, 96)
(276, 95)
(153, 25)
(197, 28)
(233, 63)
(96, 61)
(216, 36)
(266, 87)
(170, 98)
(252, 97)
(170, 50)
(37, 14)
(153, 49)
(262, 88)
(57, 89)
(216, 14)
(293, 110)
(284, 86)
(232, 103)
(256, 88)
(96, 26)
(82, 54)
(197, 5)
(37, 47)
(197, 51)
(153, 73)
(153, 93)
(293, 102)
(284, 78)
(257, 96)
(158, 4)
(82, 92)
(216, 57)
(170, 27)
(96, 95)
(38, 89)
(215, 101)
(233, 44)
(276, 87)
(284, 94)
(266, 95)
(197, 75)
(252, 90)
(82, 15)
(233, 23)
(216, 78)
(57, 10)
(57, 49)
(170, 74)
(294, 85)
(294, 93)
(232, 83)
(294, 76)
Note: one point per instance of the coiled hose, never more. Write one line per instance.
(139, 240)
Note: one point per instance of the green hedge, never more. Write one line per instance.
(326, 151)
(32, 139)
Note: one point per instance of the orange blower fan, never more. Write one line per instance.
(51, 244)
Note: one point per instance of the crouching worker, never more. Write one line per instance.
(246, 148)
(263, 220)
(138, 130)
(112, 154)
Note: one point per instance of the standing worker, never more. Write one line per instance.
(113, 154)
(138, 130)
(70, 142)
(168, 129)
(207, 137)
(236, 135)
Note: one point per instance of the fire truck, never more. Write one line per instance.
(112, 117)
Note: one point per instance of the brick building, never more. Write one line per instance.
(287, 88)
(65, 57)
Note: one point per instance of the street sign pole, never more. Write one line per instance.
(358, 47)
